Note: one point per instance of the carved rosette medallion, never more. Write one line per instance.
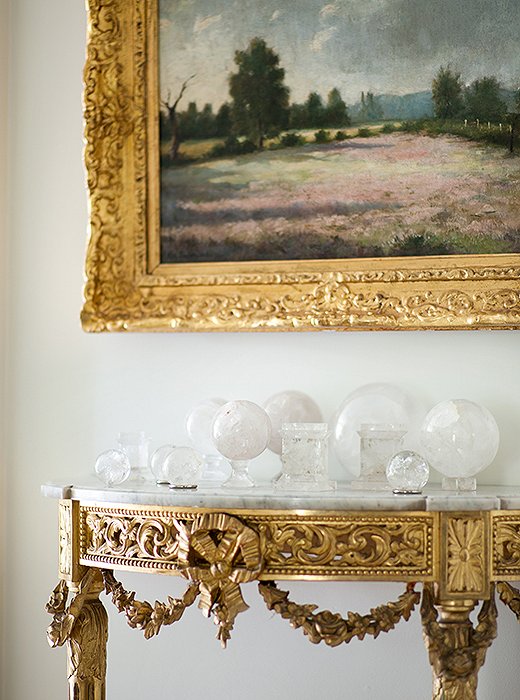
(465, 556)
(219, 552)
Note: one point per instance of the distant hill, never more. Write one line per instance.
(415, 105)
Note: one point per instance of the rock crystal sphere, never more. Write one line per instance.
(373, 406)
(407, 472)
(157, 462)
(198, 424)
(241, 430)
(459, 438)
(289, 407)
(112, 467)
(182, 466)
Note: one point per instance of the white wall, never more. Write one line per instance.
(70, 393)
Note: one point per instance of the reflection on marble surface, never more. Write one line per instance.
(264, 497)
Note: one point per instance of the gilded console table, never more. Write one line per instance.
(451, 551)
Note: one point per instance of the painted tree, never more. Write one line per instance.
(173, 118)
(260, 98)
(483, 100)
(336, 113)
(447, 93)
(314, 111)
(371, 109)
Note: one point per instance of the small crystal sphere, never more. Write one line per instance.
(407, 472)
(289, 407)
(374, 406)
(241, 430)
(112, 467)
(182, 466)
(459, 438)
(157, 462)
(198, 424)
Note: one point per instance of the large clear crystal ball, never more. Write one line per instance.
(373, 406)
(241, 430)
(198, 424)
(157, 462)
(289, 407)
(459, 438)
(407, 471)
(112, 467)
(182, 466)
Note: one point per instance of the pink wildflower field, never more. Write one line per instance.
(395, 194)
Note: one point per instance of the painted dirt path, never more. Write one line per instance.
(360, 197)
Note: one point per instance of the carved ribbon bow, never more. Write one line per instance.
(219, 552)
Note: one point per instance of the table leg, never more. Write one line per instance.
(87, 650)
(83, 627)
(456, 648)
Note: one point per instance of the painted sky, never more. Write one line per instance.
(387, 46)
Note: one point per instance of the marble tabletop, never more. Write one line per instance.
(264, 497)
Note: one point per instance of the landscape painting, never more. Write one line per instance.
(310, 130)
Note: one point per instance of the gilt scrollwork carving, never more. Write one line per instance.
(132, 537)
(332, 628)
(383, 546)
(456, 648)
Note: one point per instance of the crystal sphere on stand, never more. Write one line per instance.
(241, 431)
(407, 472)
(112, 467)
(157, 463)
(198, 426)
(289, 407)
(372, 407)
(460, 438)
(182, 467)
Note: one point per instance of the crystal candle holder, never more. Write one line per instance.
(199, 421)
(304, 458)
(378, 443)
(136, 445)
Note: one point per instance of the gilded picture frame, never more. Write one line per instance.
(128, 289)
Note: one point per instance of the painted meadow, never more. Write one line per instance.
(350, 130)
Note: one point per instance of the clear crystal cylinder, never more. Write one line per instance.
(304, 458)
(378, 443)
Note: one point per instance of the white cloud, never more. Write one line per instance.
(328, 10)
(276, 14)
(165, 23)
(321, 38)
(202, 23)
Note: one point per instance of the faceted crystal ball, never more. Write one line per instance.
(241, 430)
(407, 472)
(198, 424)
(157, 462)
(374, 406)
(459, 438)
(182, 466)
(289, 407)
(112, 467)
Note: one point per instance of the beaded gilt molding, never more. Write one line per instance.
(127, 288)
